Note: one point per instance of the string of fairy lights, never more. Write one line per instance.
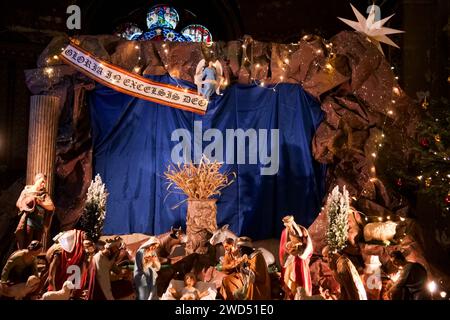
(324, 59)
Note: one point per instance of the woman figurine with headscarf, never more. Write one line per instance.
(146, 269)
(295, 252)
(209, 77)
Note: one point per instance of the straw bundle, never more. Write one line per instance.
(198, 181)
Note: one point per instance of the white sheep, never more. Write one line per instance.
(63, 294)
(380, 231)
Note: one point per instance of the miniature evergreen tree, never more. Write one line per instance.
(94, 212)
(338, 207)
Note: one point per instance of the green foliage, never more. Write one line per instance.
(338, 207)
(94, 212)
(426, 169)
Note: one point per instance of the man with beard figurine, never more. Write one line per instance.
(36, 210)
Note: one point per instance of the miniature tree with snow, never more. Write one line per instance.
(338, 207)
(94, 212)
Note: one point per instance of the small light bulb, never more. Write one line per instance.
(55, 57)
(390, 112)
(396, 90)
(374, 155)
(443, 294)
(166, 51)
(380, 219)
(262, 84)
(281, 77)
(258, 65)
(286, 60)
(136, 47)
(49, 72)
(432, 286)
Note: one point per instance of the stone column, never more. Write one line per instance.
(42, 132)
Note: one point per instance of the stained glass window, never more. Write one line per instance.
(162, 34)
(163, 17)
(197, 33)
(161, 22)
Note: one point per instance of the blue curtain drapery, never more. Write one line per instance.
(132, 149)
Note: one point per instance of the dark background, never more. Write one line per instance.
(26, 27)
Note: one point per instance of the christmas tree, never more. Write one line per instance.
(426, 168)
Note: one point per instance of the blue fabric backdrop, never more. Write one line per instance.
(132, 149)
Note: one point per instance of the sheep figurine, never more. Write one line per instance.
(63, 294)
(21, 290)
(380, 231)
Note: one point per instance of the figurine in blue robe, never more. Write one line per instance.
(146, 269)
(209, 78)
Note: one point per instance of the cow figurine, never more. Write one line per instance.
(380, 231)
(169, 242)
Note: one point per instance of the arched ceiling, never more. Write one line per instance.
(275, 20)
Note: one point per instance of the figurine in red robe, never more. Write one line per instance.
(295, 252)
(64, 257)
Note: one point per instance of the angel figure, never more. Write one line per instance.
(208, 79)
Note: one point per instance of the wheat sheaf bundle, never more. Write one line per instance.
(198, 181)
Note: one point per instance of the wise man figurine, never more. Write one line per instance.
(35, 209)
(295, 252)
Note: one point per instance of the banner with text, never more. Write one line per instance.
(132, 84)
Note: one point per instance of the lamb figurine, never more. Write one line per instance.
(380, 231)
(63, 294)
